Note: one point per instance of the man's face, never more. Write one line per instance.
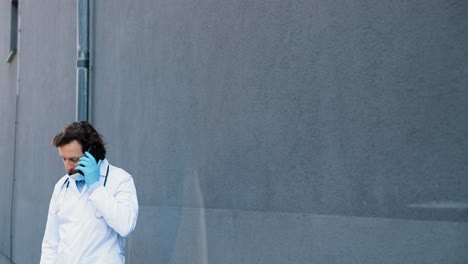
(71, 154)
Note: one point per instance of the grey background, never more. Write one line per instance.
(256, 131)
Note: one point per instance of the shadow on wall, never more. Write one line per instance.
(191, 238)
(182, 232)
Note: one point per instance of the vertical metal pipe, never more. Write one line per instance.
(14, 185)
(82, 63)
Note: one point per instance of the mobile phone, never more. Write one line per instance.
(91, 151)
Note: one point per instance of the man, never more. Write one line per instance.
(93, 207)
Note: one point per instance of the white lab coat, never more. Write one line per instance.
(90, 228)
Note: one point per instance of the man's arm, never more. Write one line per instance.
(120, 210)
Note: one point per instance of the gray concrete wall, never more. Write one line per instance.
(46, 101)
(244, 122)
(256, 131)
(309, 108)
(193, 235)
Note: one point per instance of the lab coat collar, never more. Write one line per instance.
(103, 169)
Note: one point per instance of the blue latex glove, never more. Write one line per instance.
(90, 168)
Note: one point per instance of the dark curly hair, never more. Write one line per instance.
(85, 134)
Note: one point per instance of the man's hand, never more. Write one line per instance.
(90, 168)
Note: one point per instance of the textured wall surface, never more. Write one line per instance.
(256, 131)
(287, 110)
(46, 101)
(291, 107)
(192, 235)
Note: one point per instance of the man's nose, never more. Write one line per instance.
(69, 165)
